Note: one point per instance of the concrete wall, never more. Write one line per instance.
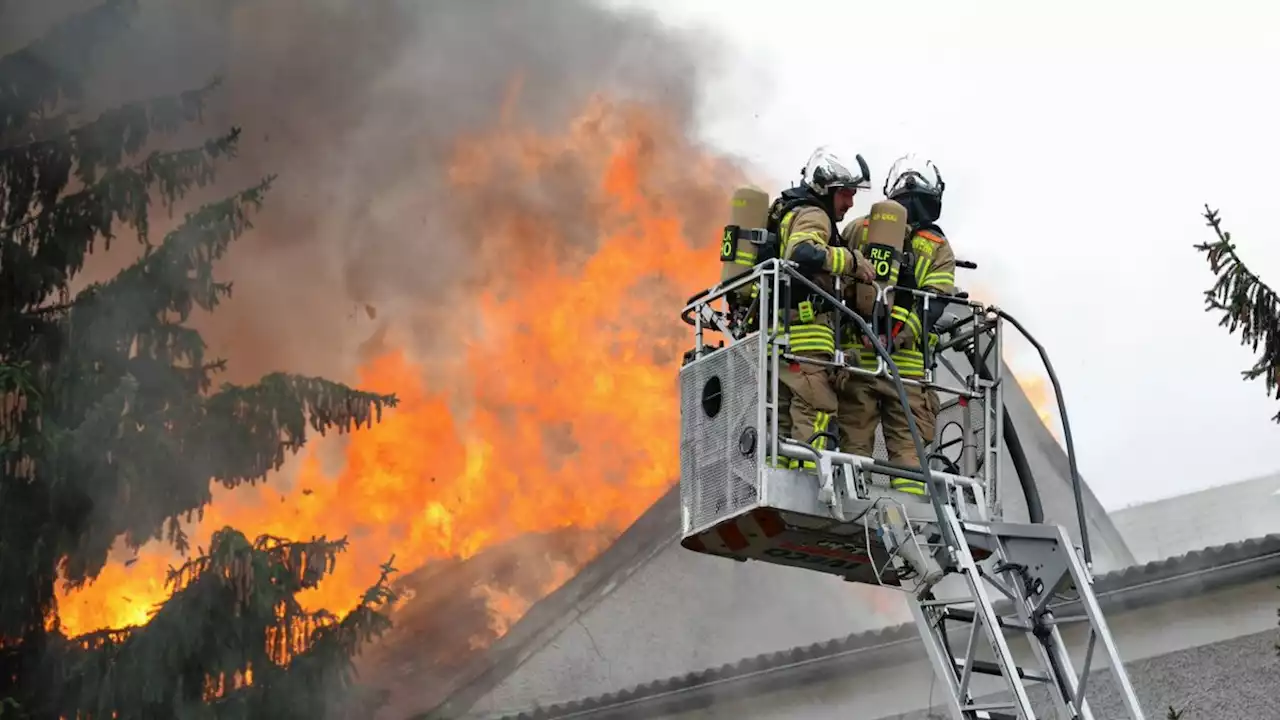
(1213, 654)
(1237, 679)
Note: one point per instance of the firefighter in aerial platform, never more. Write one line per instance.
(806, 219)
(927, 262)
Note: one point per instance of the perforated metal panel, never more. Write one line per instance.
(719, 395)
(718, 405)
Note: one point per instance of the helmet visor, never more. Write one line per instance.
(826, 172)
(912, 174)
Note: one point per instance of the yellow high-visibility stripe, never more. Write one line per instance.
(821, 422)
(912, 487)
(909, 318)
(939, 279)
(813, 338)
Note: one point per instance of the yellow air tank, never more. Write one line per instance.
(886, 238)
(748, 210)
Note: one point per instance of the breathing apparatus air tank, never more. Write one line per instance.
(744, 236)
(884, 247)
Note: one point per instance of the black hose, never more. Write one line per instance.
(1076, 485)
(1035, 511)
(835, 441)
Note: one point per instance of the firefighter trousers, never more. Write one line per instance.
(806, 393)
(811, 405)
(867, 401)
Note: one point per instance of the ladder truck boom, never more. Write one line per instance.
(974, 581)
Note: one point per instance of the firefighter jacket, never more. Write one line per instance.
(933, 269)
(806, 233)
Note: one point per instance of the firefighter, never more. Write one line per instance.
(928, 263)
(806, 219)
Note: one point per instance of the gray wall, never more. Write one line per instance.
(1236, 679)
(685, 612)
(1213, 653)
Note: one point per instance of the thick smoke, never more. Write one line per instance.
(356, 105)
(359, 105)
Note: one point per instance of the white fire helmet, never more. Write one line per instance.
(913, 173)
(825, 172)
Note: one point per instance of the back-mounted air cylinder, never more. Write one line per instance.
(886, 240)
(748, 211)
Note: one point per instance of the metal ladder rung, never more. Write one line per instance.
(986, 667)
(988, 707)
(967, 616)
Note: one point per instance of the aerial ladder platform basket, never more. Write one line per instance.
(974, 582)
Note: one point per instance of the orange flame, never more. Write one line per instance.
(1035, 385)
(554, 404)
(1040, 392)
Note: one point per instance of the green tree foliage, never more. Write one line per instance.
(1246, 303)
(111, 427)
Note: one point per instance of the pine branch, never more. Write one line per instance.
(169, 281)
(1247, 304)
(318, 682)
(40, 254)
(37, 163)
(167, 446)
(232, 610)
(249, 430)
(20, 408)
(124, 128)
(30, 82)
(163, 439)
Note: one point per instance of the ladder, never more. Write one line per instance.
(1031, 568)
(973, 582)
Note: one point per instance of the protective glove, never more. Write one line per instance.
(810, 258)
(863, 270)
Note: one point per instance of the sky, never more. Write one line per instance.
(1079, 143)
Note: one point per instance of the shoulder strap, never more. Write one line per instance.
(789, 200)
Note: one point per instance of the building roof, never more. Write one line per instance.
(1133, 587)
(1222, 514)
(417, 689)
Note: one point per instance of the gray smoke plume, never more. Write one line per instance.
(356, 105)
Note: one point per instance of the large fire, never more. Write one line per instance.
(553, 403)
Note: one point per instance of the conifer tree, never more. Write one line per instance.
(1247, 304)
(111, 426)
